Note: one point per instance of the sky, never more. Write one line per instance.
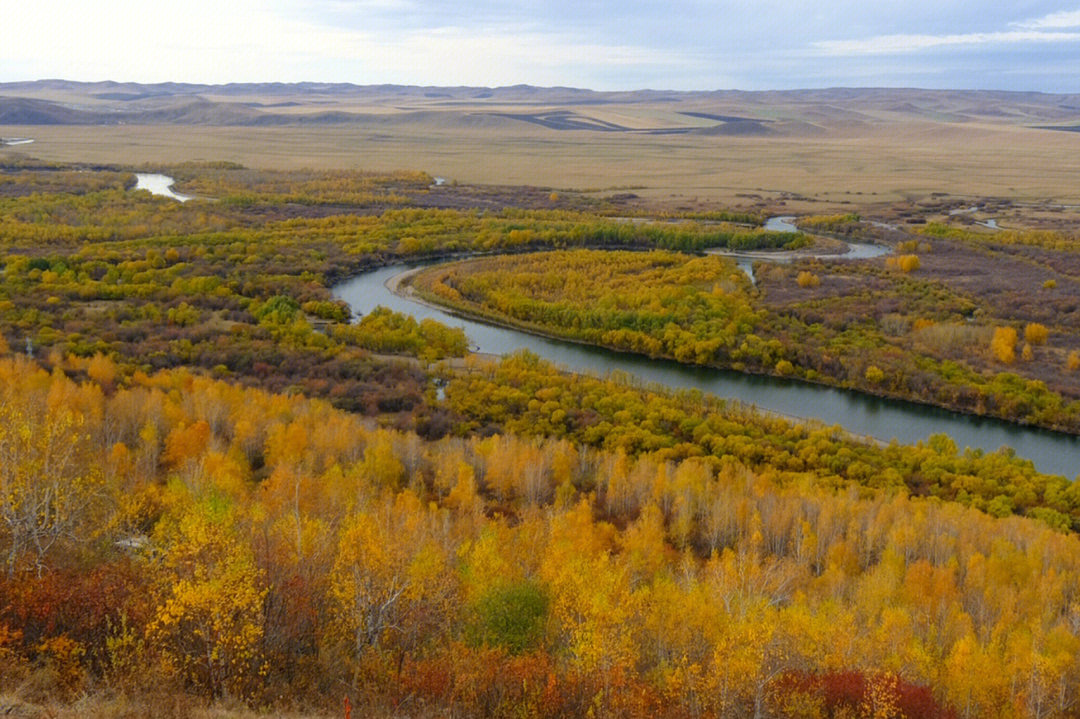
(674, 45)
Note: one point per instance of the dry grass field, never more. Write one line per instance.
(875, 166)
(813, 150)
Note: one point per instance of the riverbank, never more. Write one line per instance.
(398, 284)
(1012, 435)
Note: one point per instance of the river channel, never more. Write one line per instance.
(860, 414)
(745, 259)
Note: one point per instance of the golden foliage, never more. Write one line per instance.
(49, 487)
(904, 263)
(208, 624)
(102, 370)
(1003, 344)
(1035, 333)
(362, 556)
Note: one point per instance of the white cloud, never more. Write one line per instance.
(1053, 21)
(894, 44)
(243, 40)
(689, 44)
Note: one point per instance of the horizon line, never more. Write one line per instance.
(516, 86)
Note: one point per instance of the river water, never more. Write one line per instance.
(863, 415)
(745, 259)
(158, 185)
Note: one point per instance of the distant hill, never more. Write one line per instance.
(26, 111)
(552, 109)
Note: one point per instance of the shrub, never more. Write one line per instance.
(1036, 333)
(1003, 345)
(904, 263)
(511, 617)
(279, 309)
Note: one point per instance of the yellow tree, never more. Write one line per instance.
(1003, 344)
(591, 595)
(973, 680)
(390, 584)
(368, 583)
(102, 370)
(49, 487)
(1036, 333)
(208, 624)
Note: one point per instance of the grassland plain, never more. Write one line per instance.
(872, 167)
(846, 149)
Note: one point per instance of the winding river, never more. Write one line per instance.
(745, 259)
(860, 414)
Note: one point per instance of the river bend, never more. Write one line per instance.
(860, 414)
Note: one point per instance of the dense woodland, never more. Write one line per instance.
(207, 540)
(217, 487)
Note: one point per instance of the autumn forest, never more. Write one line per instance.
(222, 488)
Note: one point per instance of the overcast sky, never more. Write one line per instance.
(680, 44)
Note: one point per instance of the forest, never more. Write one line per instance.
(223, 492)
(219, 548)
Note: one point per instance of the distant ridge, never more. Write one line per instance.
(718, 112)
(26, 111)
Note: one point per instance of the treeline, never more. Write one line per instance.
(70, 181)
(1049, 239)
(846, 225)
(234, 184)
(214, 542)
(702, 310)
(687, 237)
(527, 396)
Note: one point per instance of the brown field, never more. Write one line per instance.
(813, 151)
